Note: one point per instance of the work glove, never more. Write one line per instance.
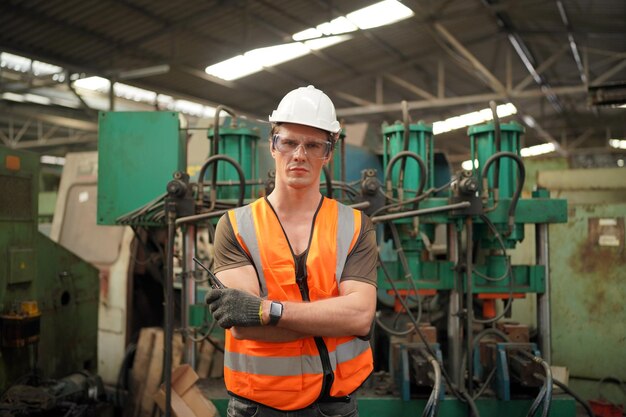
(231, 307)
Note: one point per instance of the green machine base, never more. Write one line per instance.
(450, 407)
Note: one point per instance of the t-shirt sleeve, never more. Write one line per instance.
(227, 251)
(363, 259)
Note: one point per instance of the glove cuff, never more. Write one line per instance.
(252, 311)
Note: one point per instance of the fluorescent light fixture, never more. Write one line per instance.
(321, 36)
(94, 84)
(529, 120)
(43, 68)
(468, 166)
(233, 68)
(36, 98)
(125, 91)
(524, 152)
(334, 27)
(13, 97)
(274, 55)
(23, 64)
(255, 60)
(134, 93)
(617, 143)
(52, 160)
(14, 62)
(538, 149)
(474, 118)
(380, 14)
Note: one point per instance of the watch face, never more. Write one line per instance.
(276, 309)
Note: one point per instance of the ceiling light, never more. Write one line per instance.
(94, 84)
(538, 149)
(36, 98)
(52, 160)
(13, 97)
(617, 143)
(380, 14)
(255, 60)
(474, 118)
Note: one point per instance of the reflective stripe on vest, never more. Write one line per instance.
(295, 365)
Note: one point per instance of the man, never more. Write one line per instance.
(300, 272)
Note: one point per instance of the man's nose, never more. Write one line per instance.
(300, 151)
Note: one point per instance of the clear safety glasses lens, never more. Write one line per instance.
(312, 148)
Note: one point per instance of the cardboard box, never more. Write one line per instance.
(187, 400)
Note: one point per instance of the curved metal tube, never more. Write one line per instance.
(202, 173)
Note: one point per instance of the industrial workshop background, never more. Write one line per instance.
(486, 140)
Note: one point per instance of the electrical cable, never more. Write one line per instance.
(329, 181)
(568, 390)
(433, 400)
(546, 399)
(447, 378)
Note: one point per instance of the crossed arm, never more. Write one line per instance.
(349, 314)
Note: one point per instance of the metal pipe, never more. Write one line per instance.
(543, 300)
(201, 216)
(454, 308)
(188, 295)
(469, 302)
(415, 213)
(169, 310)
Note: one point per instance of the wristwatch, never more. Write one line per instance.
(276, 312)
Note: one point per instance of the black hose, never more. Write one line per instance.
(212, 160)
(403, 155)
(447, 378)
(433, 400)
(329, 182)
(520, 180)
(546, 399)
(576, 397)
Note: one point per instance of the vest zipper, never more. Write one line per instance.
(329, 376)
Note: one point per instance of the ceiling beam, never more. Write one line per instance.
(454, 101)
(542, 67)
(493, 82)
(411, 87)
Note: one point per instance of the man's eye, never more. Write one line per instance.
(314, 145)
(289, 143)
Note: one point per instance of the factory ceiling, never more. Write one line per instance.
(554, 60)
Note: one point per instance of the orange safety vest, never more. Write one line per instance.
(289, 375)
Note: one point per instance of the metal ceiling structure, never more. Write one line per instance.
(451, 57)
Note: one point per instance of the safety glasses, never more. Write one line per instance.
(313, 148)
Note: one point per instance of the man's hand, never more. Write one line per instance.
(232, 307)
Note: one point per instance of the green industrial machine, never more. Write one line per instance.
(48, 296)
(446, 281)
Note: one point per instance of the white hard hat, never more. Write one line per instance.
(307, 106)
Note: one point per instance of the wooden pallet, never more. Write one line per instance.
(147, 370)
